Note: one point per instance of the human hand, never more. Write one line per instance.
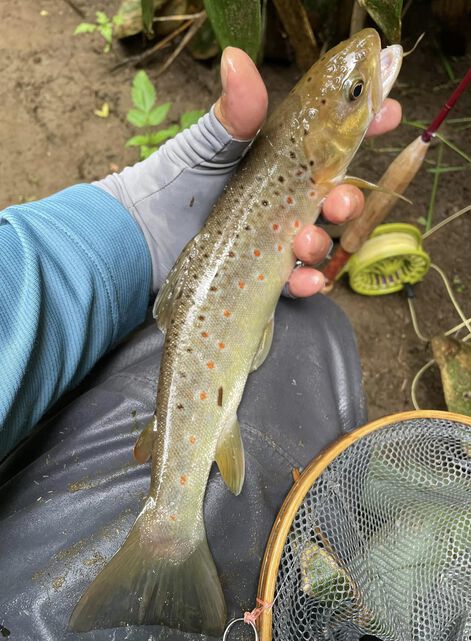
(242, 109)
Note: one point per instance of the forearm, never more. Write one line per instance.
(75, 275)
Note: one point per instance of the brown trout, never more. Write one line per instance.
(216, 309)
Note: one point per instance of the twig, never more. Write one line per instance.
(183, 16)
(185, 40)
(149, 53)
(75, 8)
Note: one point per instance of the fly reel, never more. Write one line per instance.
(392, 257)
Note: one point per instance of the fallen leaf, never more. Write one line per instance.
(104, 112)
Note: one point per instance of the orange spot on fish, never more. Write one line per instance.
(221, 345)
(227, 313)
(297, 224)
(280, 248)
(256, 252)
(261, 277)
(183, 479)
(203, 396)
(275, 227)
(312, 194)
(192, 439)
(204, 334)
(241, 284)
(289, 200)
(173, 517)
(210, 365)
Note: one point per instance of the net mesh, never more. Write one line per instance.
(381, 544)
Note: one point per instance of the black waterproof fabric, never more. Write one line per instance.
(71, 493)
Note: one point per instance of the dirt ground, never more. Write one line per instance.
(52, 82)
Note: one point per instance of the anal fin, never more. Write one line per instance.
(230, 457)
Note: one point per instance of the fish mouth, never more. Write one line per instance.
(391, 61)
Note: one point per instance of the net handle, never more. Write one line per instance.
(294, 498)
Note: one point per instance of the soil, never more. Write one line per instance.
(53, 81)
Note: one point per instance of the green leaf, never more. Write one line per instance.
(237, 23)
(101, 17)
(137, 118)
(190, 118)
(118, 20)
(138, 141)
(147, 151)
(387, 15)
(422, 221)
(147, 7)
(106, 31)
(85, 27)
(143, 92)
(159, 113)
(164, 134)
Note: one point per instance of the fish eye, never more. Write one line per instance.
(355, 89)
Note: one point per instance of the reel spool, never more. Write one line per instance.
(390, 258)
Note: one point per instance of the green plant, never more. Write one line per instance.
(147, 115)
(103, 25)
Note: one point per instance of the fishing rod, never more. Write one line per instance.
(396, 178)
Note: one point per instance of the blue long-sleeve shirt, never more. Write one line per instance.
(75, 276)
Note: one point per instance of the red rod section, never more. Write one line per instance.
(445, 110)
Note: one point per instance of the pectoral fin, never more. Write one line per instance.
(230, 457)
(265, 345)
(365, 184)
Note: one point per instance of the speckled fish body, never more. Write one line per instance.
(216, 309)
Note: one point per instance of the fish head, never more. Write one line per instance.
(339, 97)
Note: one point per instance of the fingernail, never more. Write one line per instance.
(227, 65)
(328, 256)
(224, 70)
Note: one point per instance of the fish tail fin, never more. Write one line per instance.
(153, 581)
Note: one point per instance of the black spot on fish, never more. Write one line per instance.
(306, 131)
(206, 255)
(179, 406)
(201, 317)
(220, 392)
(292, 154)
(312, 180)
(213, 288)
(189, 349)
(231, 254)
(247, 227)
(304, 167)
(219, 232)
(309, 78)
(195, 276)
(237, 235)
(265, 203)
(281, 179)
(192, 201)
(323, 101)
(311, 163)
(277, 193)
(182, 374)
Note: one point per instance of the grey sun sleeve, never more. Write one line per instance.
(171, 193)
